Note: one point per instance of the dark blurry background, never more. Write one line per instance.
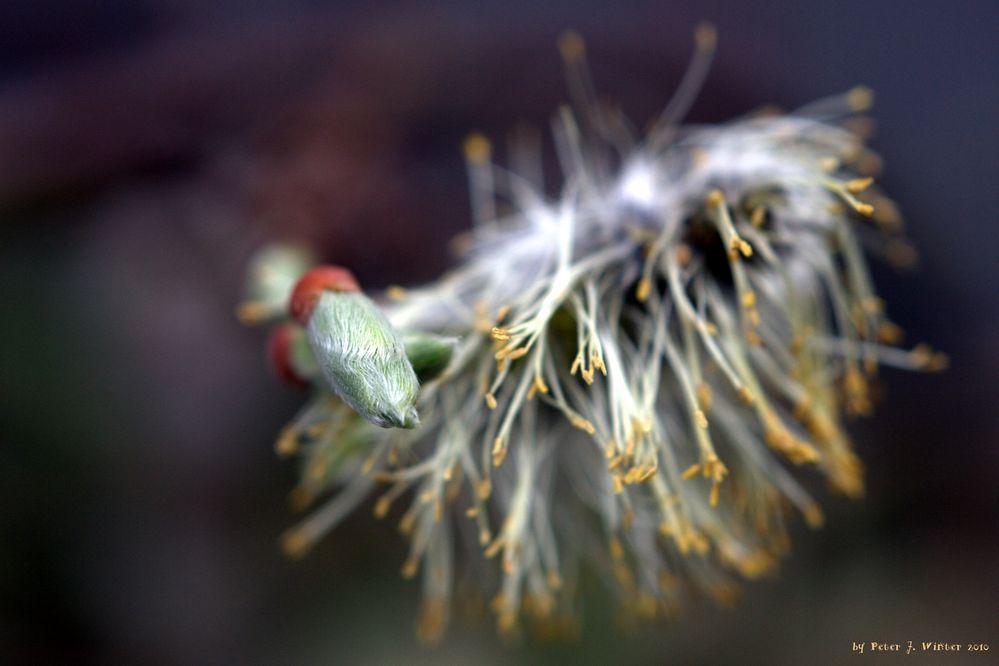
(146, 148)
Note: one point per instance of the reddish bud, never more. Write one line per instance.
(279, 355)
(310, 287)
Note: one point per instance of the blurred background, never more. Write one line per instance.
(148, 147)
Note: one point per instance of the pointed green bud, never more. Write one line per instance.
(272, 274)
(429, 354)
(363, 358)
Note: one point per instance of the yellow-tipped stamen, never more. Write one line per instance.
(396, 293)
(251, 313)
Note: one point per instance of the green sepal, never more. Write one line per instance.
(429, 354)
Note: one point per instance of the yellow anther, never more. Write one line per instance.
(287, 443)
(698, 542)
(610, 449)
(666, 580)
(902, 254)
(856, 392)
(538, 386)
(858, 185)
(924, 357)
(506, 622)
(491, 401)
(316, 429)
(704, 396)
(317, 469)
(395, 292)
(860, 98)
(873, 305)
(887, 216)
(251, 312)
(643, 289)
(648, 606)
(701, 419)
(409, 568)
(632, 475)
(616, 549)
(431, 621)
(582, 424)
(300, 498)
(801, 452)
(813, 516)
(705, 36)
(715, 198)
(715, 468)
(828, 164)
(519, 352)
(691, 471)
(571, 46)
(753, 565)
(295, 545)
(382, 506)
(864, 209)
(726, 594)
(477, 148)
(803, 408)
(598, 363)
(499, 334)
(407, 522)
(499, 452)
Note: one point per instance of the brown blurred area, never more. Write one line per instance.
(146, 149)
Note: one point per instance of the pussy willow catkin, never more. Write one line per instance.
(625, 378)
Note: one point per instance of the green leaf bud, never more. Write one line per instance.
(363, 359)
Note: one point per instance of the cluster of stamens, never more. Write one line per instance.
(640, 366)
